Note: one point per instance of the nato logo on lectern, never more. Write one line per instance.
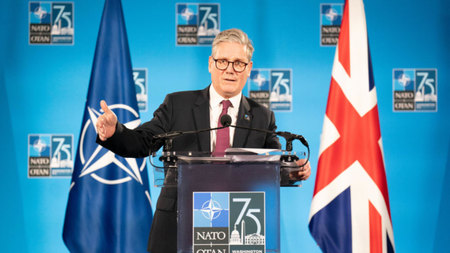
(229, 222)
(414, 90)
(272, 88)
(50, 155)
(51, 23)
(330, 23)
(197, 23)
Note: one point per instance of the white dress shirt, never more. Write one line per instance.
(215, 109)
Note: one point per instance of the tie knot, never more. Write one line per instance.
(226, 104)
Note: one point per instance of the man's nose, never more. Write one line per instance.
(230, 68)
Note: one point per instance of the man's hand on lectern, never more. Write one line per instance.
(304, 172)
(106, 123)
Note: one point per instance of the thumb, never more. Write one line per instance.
(105, 107)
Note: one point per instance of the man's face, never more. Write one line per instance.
(228, 83)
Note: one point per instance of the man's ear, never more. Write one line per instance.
(249, 68)
(210, 63)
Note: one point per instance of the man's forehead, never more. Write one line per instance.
(231, 50)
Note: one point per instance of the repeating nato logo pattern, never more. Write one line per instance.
(50, 155)
(272, 88)
(414, 90)
(330, 23)
(51, 23)
(229, 222)
(197, 24)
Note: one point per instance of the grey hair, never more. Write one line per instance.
(233, 35)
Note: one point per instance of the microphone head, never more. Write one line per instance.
(225, 120)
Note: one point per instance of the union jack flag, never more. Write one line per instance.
(350, 209)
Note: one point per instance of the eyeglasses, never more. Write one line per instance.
(222, 64)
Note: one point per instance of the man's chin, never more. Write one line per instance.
(229, 90)
(229, 84)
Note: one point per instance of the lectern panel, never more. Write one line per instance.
(232, 206)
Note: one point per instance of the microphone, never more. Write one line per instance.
(225, 120)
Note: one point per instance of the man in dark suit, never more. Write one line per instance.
(230, 65)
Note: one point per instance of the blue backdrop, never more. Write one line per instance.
(43, 91)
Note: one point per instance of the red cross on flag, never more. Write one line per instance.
(350, 209)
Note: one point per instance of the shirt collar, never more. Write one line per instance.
(215, 99)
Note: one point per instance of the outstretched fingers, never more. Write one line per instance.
(106, 123)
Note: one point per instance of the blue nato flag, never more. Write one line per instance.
(109, 207)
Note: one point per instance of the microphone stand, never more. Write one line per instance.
(168, 137)
(289, 137)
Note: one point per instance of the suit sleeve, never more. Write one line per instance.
(272, 140)
(139, 142)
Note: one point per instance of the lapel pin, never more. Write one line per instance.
(246, 117)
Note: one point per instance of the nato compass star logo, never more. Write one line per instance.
(404, 80)
(39, 145)
(259, 80)
(187, 14)
(211, 209)
(331, 14)
(99, 160)
(40, 12)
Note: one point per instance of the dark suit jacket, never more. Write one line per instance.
(186, 111)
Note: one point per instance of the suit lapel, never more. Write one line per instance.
(244, 119)
(201, 119)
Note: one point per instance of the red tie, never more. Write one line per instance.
(223, 135)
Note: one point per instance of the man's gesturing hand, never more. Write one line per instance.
(106, 123)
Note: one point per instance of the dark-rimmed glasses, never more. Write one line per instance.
(222, 64)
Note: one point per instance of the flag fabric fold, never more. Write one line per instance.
(350, 210)
(109, 207)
